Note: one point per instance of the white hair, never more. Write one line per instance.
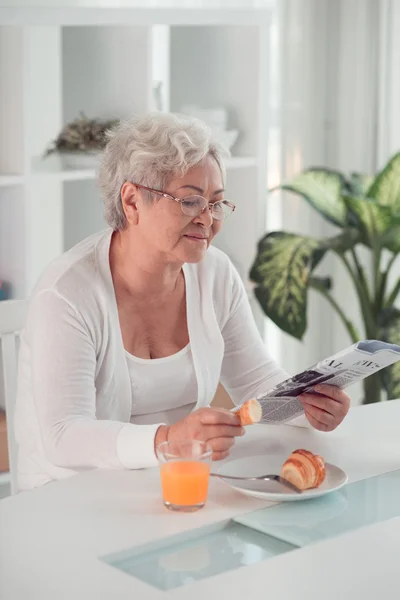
(151, 150)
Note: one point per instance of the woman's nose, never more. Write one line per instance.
(205, 217)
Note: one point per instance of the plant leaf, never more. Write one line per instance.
(320, 283)
(358, 184)
(281, 270)
(391, 239)
(322, 189)
(373, 219)
(386, 186)
(342, 242)
(389, 320)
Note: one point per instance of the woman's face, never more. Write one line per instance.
(162, 226)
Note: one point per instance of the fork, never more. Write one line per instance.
(268, 477)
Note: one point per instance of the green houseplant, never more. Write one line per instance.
(366, 211)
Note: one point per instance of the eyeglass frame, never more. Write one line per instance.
(181, 200)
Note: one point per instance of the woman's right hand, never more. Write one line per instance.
(217, 426)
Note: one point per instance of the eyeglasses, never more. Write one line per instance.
(192, 206)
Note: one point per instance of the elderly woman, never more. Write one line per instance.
(129, 332)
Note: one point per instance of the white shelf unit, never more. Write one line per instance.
(72, 61)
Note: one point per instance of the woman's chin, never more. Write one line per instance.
(194, 255)
(193, 251)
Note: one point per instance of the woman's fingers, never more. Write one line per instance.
(220, 455)
(320, 419)
(332, 391)
(316, 423)
(322, 402)
(211, 432)
(217, 427)
(328, 411)
(222, 444)
(217, 416)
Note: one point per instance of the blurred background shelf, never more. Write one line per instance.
(9, 180)
(51, 74)
(56, 172)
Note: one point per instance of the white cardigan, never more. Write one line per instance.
(74, 390)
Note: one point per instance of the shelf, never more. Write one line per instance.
(58, 173)
(9, 180)
(51, 73)
(52, 169)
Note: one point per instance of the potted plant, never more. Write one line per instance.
(80, 142)
(366, 211)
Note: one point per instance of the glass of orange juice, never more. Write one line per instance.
(185, 473)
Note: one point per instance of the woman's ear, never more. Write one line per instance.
(129, 199)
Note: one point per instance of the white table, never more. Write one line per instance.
(51, 538)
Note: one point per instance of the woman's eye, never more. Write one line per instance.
(191, 203)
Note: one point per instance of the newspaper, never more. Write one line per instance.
(281, 403)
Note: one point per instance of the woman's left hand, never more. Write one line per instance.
(326, 412)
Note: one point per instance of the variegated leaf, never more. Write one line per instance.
(391, 239)
(342, 242)
(358, 184)
(281, 269)
(386, 186)
(322, 188)
(373, 219)
(390, 332)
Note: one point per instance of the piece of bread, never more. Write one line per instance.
(304, 469)
(250, 412)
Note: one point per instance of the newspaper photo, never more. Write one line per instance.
(353, 364)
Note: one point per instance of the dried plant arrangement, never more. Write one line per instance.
(82, 136)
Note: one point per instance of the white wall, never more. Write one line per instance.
(388, 130)
(340, 98)
(300, 137)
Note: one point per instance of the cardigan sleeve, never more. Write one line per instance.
(247, 368)
(63, 367)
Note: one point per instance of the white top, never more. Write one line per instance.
(55, 534)
(74, 398)
(163, 389)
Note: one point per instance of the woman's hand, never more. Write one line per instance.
(217, 426)
(326, 412)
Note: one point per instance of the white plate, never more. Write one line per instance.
(252, 466)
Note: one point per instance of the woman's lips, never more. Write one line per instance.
(196, 238)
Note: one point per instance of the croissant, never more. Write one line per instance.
(304, 469)
(250, 412)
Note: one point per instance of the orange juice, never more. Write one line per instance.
(185, 483)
